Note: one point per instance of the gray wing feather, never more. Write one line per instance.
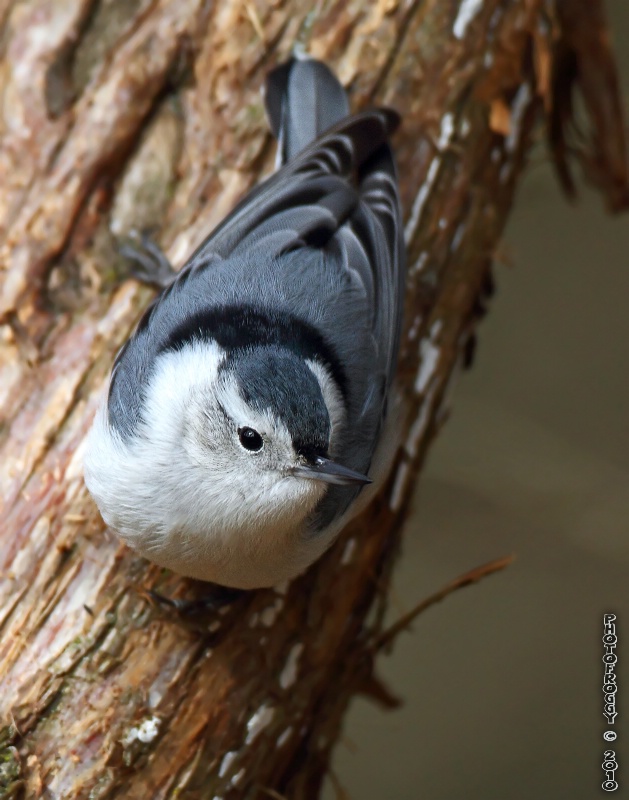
(327, 166)
(313, 88)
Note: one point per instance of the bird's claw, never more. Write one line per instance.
(147, 261)
(218, 598)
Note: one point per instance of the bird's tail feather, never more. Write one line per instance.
(303, 99)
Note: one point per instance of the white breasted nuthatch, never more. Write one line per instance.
(244, 412)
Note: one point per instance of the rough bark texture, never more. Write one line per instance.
(121, 114)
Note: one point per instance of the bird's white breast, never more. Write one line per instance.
(207, 519)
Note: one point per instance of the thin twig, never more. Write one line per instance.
(473, 576)
(340, 791)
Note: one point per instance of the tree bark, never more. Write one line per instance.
(136, 114)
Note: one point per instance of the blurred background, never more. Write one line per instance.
(502, 681)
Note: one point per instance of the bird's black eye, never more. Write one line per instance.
(250, 439)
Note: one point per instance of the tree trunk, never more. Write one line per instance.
(123, 114)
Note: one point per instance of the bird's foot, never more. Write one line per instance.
(147, 261)
(217, 597)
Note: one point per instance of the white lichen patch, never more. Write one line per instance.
(288, 675)
(428, 357)
(348, 552)
(467, 11)
(420, 199)
(228, 760)
(414, 329)
(429, 360)
(258, 722)
(446, 132)
(457, 238)
(435, 328)
(145, 732)
(237, 779)
(418, 265)
(155, 698)
(270, 614)
(399, 485)
(419, 426)
(284, 736)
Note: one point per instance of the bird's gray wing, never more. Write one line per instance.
(338, 194)
(317, 181)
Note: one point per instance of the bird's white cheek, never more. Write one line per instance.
(300, 491)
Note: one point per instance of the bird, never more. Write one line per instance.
(243, 416)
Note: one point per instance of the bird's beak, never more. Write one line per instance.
(323, 469)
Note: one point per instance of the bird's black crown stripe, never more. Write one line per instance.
(245, 326)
